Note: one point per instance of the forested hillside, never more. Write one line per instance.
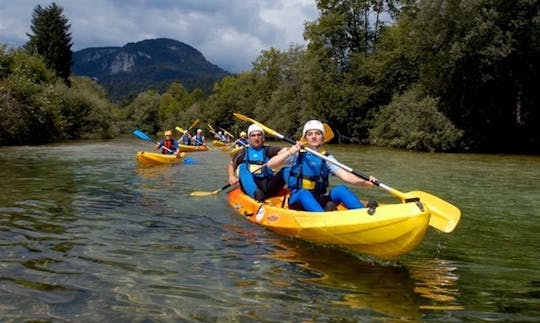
(438, 76)
(148, 64)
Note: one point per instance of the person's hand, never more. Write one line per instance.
(294, 148)
(233, 180)
(371, 182)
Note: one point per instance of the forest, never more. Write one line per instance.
(432, 75)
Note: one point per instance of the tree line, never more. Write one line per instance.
(432, 75)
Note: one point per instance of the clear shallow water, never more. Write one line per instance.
(87, 235)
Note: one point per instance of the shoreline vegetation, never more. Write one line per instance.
(452, 87)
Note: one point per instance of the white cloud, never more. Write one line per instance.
(229, 33)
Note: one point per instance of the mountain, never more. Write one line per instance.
(148, 64)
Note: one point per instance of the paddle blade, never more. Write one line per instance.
(444, 216)
(203, 193)
(188, 160)
(194, 123)
(142, 135)
(179, 129)
(265, 128)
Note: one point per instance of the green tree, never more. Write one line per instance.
(51, 39)
(29, 107)
(481, 59)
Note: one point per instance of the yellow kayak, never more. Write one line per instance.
(190, 148)
(392, 230)
(149, 158)
(218, 143)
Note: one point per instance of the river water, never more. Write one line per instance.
(88, 235)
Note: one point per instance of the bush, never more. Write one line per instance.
(414, 122)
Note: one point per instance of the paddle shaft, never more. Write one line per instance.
(200, 193)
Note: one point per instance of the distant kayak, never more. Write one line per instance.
(149, 158)
(190, 148)
(218, 143)
(390, 231)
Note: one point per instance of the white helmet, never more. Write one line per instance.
(255, 127)
(199, 130)
(313, 125)
(219, 133)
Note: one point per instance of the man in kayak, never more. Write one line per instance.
(242, 141)
(256, 180)
(221, 137)
(169, 145)
(198, 139)
(307, 175)
(186, 138)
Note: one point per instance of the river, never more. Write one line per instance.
(88, 235)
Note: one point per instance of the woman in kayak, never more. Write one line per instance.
(169, 145)
(307, 175)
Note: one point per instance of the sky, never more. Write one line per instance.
(229, 33)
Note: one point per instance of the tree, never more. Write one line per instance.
(51, 39)
(481, 59)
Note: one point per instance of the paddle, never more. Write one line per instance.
(193, 124)
(144, 136)
(212, 129)
(227, 133)
(205, 193)
(444, 216)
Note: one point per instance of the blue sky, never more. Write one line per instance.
(229, 33)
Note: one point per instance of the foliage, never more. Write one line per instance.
(481, 58)
(86, 111)
(414, 123)
(143, 112)
(29, 107)
(51, 39)
(37, 107)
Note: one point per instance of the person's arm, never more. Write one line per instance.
(159, 144)
(231, 168)
(283, 155)
(176, 147)
(349, 177)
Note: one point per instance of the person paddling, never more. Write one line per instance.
(256, 180)
(198, 139)
(307, 175)
(185, 139)
(169, 145)
(242, 141)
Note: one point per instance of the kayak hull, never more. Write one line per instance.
(218, 143)
(392, 231)
(150, 158)
(190, 148)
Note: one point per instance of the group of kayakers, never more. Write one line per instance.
(304, 173)
(170, 146)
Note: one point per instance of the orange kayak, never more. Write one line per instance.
(391, 231)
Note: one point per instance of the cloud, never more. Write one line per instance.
(229, 33)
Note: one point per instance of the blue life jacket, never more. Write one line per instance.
(186, 140)
(198, 140)
(254, 159)
(309, 172)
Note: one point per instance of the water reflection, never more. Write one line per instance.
(436, 280)
(391, 289)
